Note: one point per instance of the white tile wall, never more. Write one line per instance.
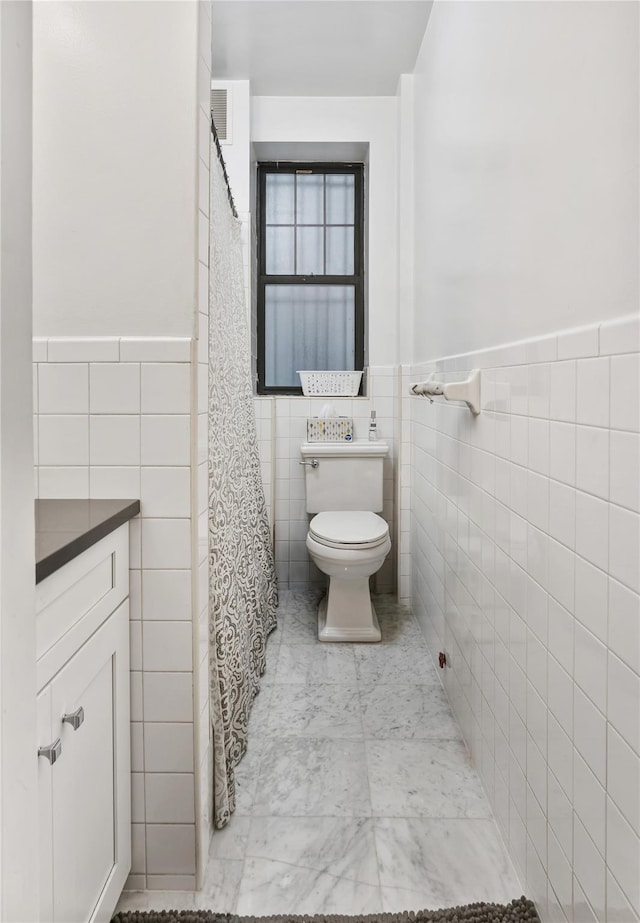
(282, 427)
(63, 388)
(166, 388)
(115, 418)
(164, 439)
(525, 570)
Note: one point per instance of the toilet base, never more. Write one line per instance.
(348, 614)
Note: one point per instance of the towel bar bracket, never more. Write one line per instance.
(467, 390)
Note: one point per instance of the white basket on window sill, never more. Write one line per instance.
(336, 384)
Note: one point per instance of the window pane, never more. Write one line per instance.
(310, 255)
(279, 251)
(339, 251)
(279, 198)
(310, 201)
(340, 198)
(307, 327)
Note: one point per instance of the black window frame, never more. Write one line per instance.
(357, 279)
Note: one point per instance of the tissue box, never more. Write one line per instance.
(329, 429)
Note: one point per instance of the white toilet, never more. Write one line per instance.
(346, 540)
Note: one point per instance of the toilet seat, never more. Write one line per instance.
(349, 529)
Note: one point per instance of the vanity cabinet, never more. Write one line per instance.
(82, 638)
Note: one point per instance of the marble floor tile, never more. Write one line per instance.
(221, 886)
(316, 663)
(307, 777)
(392, 664)
(395, 615)
(343, 847)
(356, 794)
(423, 778)
(299, 627)
(315, 711)
(426, 864)
(406, 713)
(271, 887)
(304, 600)
(399, 628)
(231, 841)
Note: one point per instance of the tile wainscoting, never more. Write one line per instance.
(116, 417)
(525, 539)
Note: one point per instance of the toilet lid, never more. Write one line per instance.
(348, 527)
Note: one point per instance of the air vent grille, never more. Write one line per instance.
(219, 112)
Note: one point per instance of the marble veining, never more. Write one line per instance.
(310, 865)
(315, 711)
(393, 664)
(298, 627)
(276, 887)
(438, 863)
(310, 776)
(356, 794)
(316, 663)
(221, 885)
(406, 713)
(341, 847)
(423, 778)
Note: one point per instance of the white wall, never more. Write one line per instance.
(115, 167)
(18, 761)
(526, 185)
(360, 120)
(525, 521)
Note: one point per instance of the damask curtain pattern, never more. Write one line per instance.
(242, 584)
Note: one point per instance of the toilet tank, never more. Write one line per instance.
(348, 475)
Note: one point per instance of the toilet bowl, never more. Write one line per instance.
(348, 546)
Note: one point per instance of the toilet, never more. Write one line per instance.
(347, 540)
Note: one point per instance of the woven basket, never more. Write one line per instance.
(336, 384)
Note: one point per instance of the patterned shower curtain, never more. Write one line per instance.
(242, 584)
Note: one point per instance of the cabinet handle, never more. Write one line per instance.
(74, 718)
(52, 752)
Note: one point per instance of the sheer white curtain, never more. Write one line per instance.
(242, 584)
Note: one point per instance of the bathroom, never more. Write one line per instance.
(500, 152)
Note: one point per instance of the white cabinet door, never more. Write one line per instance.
(86, 789)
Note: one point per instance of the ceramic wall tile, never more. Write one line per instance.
(574, 532)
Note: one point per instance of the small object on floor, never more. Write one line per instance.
(517, 911)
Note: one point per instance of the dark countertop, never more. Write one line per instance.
(66, 528)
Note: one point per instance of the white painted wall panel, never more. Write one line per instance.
(114, 168)
(526, 171)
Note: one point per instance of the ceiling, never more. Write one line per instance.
(317, 47)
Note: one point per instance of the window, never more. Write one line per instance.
(310, 271)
